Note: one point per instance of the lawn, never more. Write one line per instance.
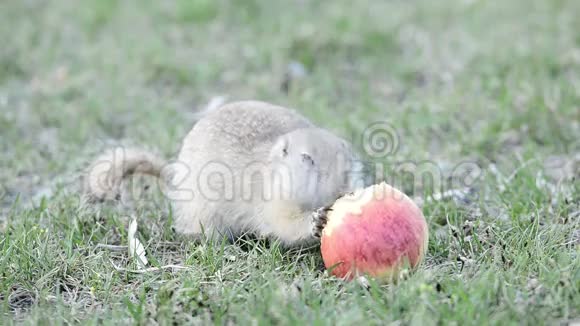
(490, 85)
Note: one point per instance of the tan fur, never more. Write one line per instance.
(247, 167)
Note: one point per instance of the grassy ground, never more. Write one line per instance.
(493, 83)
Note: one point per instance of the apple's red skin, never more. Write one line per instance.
(377, 241)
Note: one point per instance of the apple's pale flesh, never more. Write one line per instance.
(375, 231)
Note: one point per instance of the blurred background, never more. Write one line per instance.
(495, 83)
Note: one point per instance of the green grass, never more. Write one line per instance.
(494, 83)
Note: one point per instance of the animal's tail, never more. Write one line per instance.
(104, 177)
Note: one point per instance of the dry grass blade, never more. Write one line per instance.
(136, 248)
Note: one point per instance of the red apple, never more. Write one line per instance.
(376, 231)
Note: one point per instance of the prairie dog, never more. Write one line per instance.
(246, 166)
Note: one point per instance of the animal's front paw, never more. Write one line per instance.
(319, 219)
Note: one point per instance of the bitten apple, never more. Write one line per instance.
(376, 231)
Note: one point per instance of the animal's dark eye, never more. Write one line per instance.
(307, 159)
(285, 151)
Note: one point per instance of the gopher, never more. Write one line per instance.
(245, 167)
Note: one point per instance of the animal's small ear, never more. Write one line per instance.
(280, 148)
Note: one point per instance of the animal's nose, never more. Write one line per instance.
(307, 159)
